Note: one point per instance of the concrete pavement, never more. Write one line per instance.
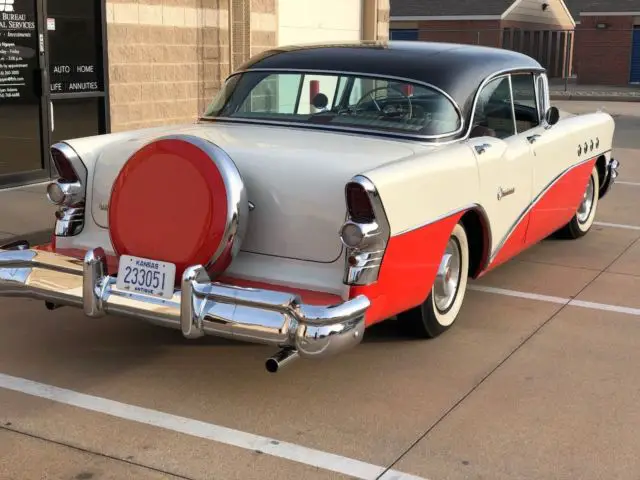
(25, 213)
(602, 93)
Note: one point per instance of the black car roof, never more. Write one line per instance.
(457, 69)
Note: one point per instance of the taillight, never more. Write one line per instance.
(68, 191)
(63, 166)
(365, 232)
(358, 204)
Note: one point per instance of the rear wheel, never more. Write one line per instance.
(440, 309)
(584, 217)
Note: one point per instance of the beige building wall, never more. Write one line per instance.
(311, 21)
(382, 20)
(375, 20)
(168, 58)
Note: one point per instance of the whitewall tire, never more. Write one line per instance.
(584, 217)
(441, 308)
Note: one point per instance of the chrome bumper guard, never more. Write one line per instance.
(610, 177)
(246, 314)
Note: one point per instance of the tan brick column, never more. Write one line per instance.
(264, 25)
(375, 19)
(382, 25)
(167, 58)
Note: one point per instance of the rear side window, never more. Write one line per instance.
(525, 102)
(494, 109)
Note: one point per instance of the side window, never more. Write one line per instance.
(494, 113)
(525, 102)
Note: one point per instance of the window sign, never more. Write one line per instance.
(74, 53)
(18, 52)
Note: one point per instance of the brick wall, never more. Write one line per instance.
(602, 55)
(168, 58)
(477, 32)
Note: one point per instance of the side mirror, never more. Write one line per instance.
(552, 116)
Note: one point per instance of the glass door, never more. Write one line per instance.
(76, 65)
(23, 110)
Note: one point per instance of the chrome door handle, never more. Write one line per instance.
(482, 148)
(533, 138)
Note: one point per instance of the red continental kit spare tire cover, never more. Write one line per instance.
(170, 203)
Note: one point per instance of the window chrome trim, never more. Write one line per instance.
(459, 130)
(513, 107)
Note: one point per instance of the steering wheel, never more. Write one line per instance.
(370, 93)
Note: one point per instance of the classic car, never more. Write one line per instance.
(326, 188)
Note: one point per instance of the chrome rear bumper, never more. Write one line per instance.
(199, 307)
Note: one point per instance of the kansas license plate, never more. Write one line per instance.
(146, 276)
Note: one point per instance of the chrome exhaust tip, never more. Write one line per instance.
(52, 306)
(281, 359)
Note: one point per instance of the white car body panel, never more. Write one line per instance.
(292, 237)
(291, 241)
(506, 166)
(556, 149)
(295, 180)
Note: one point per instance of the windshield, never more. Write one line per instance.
(337, 100)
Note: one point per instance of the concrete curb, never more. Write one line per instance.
(595, 98)
(34, 238)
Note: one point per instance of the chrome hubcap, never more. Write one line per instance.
(448, 277)
(587, 203)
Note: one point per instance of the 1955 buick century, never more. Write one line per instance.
(325, 188)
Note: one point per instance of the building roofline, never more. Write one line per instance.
(568, 12)
(610, 14)
(442, 18)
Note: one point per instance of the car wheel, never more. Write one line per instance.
(584, 217)
(441, 308)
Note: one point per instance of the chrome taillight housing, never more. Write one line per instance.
(68, 191)
(365, 233)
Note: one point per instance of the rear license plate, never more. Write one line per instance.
(146, 276)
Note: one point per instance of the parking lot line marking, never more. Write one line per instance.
(617, 225)
(633, 184)
(557, 300)
(195, 428)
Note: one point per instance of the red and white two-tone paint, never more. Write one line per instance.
(325, 190)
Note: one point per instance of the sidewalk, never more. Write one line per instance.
(26, 214)
(602, 93)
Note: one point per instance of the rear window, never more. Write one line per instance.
(337, 100)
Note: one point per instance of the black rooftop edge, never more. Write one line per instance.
(454, 68)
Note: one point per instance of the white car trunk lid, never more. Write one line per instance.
(295, 179)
